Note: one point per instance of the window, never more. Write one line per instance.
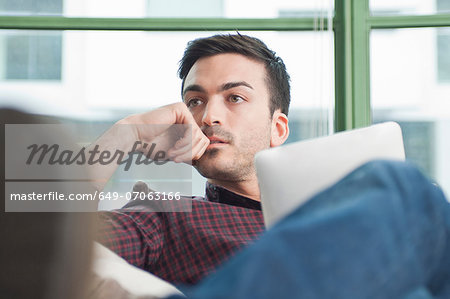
(27, 7)
(443, 57)
(405, 88)
(33, 57)
(391, 59)
(30, 56)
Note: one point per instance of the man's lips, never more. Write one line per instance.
(215, 141)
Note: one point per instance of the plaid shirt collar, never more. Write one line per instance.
(219, 194)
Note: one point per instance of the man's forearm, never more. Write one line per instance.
(108, 151)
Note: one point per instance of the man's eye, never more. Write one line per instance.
(194, 103)
(236, 99)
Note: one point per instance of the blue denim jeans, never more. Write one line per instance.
(381, 232)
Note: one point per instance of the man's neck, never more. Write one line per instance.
(248, 188)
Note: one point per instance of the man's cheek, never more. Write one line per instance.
(197, 117)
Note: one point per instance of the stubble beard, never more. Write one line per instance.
(212, 166)
(235, 161)
(236, 167)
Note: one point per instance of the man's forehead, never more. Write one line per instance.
(225, 68)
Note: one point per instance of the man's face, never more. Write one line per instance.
(229, 99)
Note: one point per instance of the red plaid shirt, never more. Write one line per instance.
(183, 247)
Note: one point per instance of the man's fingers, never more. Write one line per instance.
(179, 120)
(198, 150)
(192, 136)
(188, 138)
(189, 152)
(185, 144)
(201, 151)
(162, 118)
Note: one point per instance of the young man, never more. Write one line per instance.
(381, 232)
(236, 97)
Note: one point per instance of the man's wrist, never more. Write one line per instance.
(126, 132)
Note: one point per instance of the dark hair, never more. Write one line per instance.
(251, 47)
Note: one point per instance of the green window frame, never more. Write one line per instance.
(352, 24)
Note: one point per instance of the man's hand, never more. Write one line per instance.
(172, 129)
(183, 143)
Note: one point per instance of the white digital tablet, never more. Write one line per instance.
(289, 175)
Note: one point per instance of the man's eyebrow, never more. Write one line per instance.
(223, 87)
(193, 87)
(230, 85)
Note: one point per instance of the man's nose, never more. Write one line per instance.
(213, 113)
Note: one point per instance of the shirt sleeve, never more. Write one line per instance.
(135, 236)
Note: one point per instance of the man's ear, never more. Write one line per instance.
(280, 129)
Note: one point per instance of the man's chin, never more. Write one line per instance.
(208, 157)
(210, 163)
(211, 153)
